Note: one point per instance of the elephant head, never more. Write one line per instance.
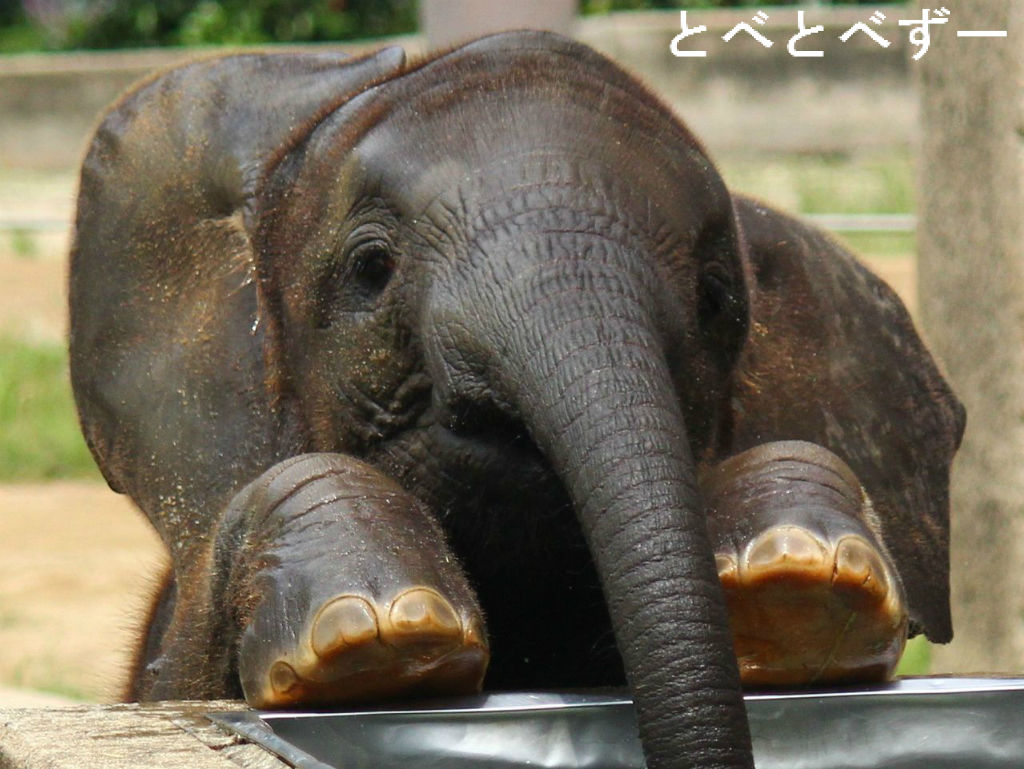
(432, 267)
(506, 277)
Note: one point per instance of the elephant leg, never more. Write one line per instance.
(158, 617)
(328, 583)
(349, 590)
(813, 596)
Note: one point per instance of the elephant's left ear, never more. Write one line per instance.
(833, 358)
(165, 321)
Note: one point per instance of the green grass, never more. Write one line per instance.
(884, 245)
(21, 38)
(39, 433)
(49, 675)
(9, 618)
(870, 183)
(916, 659)
(23, 244)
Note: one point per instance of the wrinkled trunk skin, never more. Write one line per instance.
(584, 369)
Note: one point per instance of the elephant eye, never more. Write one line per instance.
(352, 284)
(721, 315)
(714, 295)
(373, 266)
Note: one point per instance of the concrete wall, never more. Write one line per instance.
(446, 22)
(741, 97)
(49, 103)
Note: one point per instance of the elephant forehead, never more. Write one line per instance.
(525, 136)
(552, 188)
(477, 108)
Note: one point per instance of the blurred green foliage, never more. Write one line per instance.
(66, 24)
(604, 6)
(916, 659)
(11, 11)
(39, 435)
(858, 183)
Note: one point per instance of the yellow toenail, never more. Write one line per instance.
(422, 610)
(282, 677)
(346, 621)
(790, 545)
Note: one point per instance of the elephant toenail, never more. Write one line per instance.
(474, 633)
(282, 677)
(857, 560)
(349, 620)
(424, 612)
(785, 545)
(726, 566)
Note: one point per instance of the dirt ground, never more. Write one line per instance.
(33, 296)
(78, 564)
(76, 560)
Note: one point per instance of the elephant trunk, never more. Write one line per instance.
(575, 353)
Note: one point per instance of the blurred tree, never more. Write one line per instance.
(192, 22)
(28, 24)
(603, 6)
(137, 23)
(11, 12)
(16, 32)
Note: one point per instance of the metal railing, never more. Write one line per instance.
(864, 222)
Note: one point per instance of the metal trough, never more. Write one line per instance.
(937, 723)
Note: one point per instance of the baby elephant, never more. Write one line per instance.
(414, 368)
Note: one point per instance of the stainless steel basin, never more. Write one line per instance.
(938, 723)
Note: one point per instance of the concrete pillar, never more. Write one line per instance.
(971, 284)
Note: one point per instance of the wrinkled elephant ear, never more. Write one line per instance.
(833, 358)
(168, 358)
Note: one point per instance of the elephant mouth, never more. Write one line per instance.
(379, 421)
(491, 455)
(451, 464)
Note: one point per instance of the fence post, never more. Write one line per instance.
(971, 287)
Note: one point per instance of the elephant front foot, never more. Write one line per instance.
(806, 609)
(357, 649)
(812, 597)
(349, 592)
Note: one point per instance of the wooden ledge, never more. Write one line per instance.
(167, 735)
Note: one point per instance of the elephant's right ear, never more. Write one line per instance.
(204, 131)
(167, 348)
